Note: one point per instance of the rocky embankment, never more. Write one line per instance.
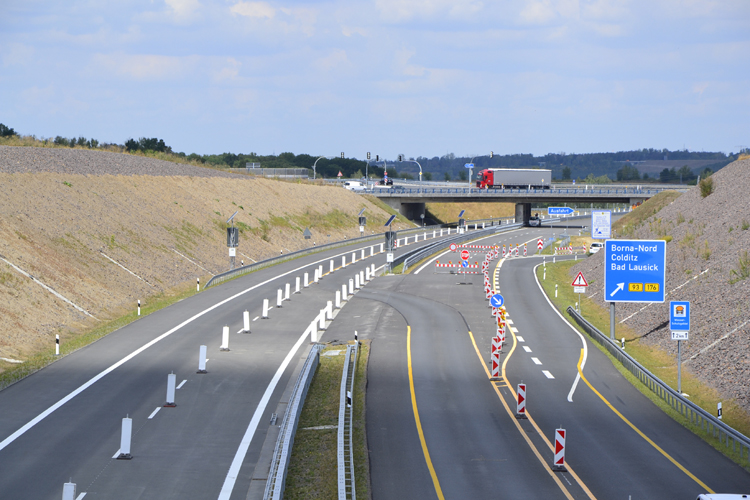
(707, 264)
(106, 229)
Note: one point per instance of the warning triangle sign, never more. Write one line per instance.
(580, 280)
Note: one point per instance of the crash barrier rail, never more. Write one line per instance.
(420, 253)
(345, 452)
(297, 173)
(283, 451)
(228, 275)
(401, 190)
(694, 413)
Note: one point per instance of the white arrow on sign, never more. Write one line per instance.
(620, 286)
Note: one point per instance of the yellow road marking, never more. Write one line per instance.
(515, 421)
(426, 452)
(640, 433)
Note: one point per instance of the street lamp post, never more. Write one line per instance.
(401, 159)
(316, 162)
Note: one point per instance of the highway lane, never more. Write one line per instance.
(607, 458)
(182, 451)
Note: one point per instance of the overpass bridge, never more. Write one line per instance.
(410, 200)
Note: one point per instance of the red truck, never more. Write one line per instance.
(523, 178)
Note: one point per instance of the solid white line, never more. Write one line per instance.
(181, 384)
(583, 341)
(20, 432)
(153, 414)
(256, 318)
(239, 457)
(80, 497)
(527, 348)
(536, 361)
(431, 261)
(117, 453)
(520, 339)
(547, 374)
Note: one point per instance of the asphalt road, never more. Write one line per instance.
(64, 421)
(475, 445)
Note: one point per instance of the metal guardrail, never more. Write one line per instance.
(694, 413)
(345, 452)
(400, 190)
(228, 275)
(283, 451)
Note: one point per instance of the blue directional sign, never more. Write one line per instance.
(464, 263)
(497, 300)
(559, 210)
(634, 270)
(679, 316)
(468, 165)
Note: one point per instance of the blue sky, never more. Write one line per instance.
(418, 77)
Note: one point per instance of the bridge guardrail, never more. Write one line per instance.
(400, 191)
(694, 413)
(276, 481)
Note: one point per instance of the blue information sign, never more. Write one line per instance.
(468, 165)
(559, 210)
(464, 263)
(497, 300)
(679, 316)
(634, 270)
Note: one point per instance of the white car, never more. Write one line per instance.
(596, 246)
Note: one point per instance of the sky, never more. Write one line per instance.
(412, 77)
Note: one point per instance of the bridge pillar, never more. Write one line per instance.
(411, 211)
(523, 212)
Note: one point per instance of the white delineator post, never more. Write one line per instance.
(278, 298)
(224, 339)
(368, 277)
(351, 286)
(313, 330)
(344, 295)
(322, 320)
(125, 436)
(287, 290)
(362, 278)
(381, 247)
(558, 463)
(356, 281)
(57, 344)
(363, 254)
(265, 309)
(171, 386)
(320, 272)
(521, 401)
(139, 307)
(372, 270)
(343, 261)
(307, 280)
(338, 299)
(197, 284)
(69, 491)
(316, 276)
(296, 285)
(372, 251)
(331, 266)
(329, 310)
(202, 359)
(246, 321)
(354, 257)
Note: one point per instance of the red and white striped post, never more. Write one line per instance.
(495, 358)
(558, 463)
(524, 249)
(503, 251)
(521, 401)
(539, 244)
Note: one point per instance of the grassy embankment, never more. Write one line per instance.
(655, 360)
(70, 343)
(313, 464)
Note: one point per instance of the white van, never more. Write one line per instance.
(354, 186)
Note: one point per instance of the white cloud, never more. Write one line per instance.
(183, 9)
(145, 67)
(230, 70)
(336, 59)
(407, 10)
(255, 10)
(538, 12)
(16, 54)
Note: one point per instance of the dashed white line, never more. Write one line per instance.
(514, 329)
(536, 361)
(547, 374)
(527, 348)
(520, 339)
(153, 414)
(509, 321)
(181, 384)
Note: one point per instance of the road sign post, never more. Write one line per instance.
(679, 326)
(633, 272)
(579, 287)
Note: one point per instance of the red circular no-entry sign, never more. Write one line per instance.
(465, 254)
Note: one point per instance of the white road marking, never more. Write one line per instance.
(520, 339)
(514, 329)
(80, 497)
(547, 374)
(117, 453)
(153, 414)
(181, 384)
(29, 425)
(536, 361)
(256, 318)
(239, 457)
(509, 321)
(240, 330)
(527, 348)
(583, 341)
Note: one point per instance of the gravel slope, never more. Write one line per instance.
(65, 213)
(708, 241)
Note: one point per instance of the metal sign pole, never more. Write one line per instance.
(612, 320)
(679, 366)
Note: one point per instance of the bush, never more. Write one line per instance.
(6, 131)
(707, 186)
